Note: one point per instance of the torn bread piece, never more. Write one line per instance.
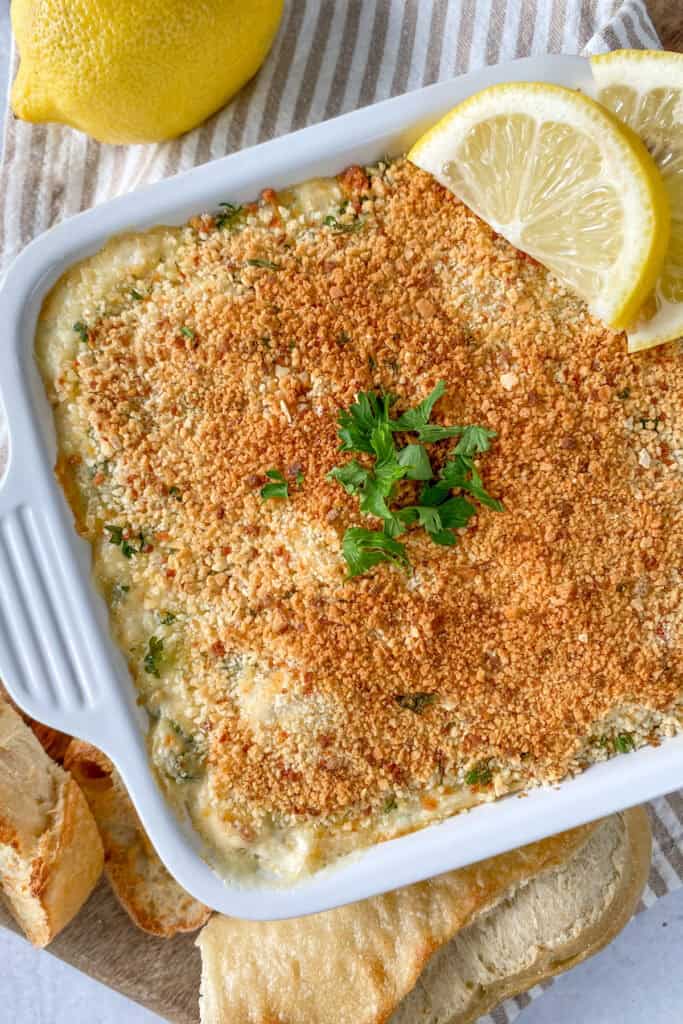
(354, 964)
(141, 883)
(50, 850)
(573, 895)
(546, 926)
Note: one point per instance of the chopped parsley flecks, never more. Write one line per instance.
(128, 548)
(416, 702)
(174, 492)
(166, 618)
(183, 757)
(624, 743)
(118, 593)
(480, 775)
(368, 428)
(187, 332)
(277, 488)
(342, 227)
(136, 295)
(152, 659)
(264, 264)
(82, 331)
(228, 216)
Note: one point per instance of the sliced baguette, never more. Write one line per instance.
(354, 964)
(551, 923)
(50, 850)
(152, 898)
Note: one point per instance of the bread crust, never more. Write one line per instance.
(147, 892)
(592, 939)
(45, 876)
(354, 964)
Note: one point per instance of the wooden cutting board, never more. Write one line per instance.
(163, 974)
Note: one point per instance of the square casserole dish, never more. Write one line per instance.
(57, 656)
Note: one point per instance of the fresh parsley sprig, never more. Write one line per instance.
(367, 427)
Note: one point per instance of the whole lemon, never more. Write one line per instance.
(136, 70)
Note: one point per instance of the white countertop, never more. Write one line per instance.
(636, 980)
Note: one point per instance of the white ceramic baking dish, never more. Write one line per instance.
(56, 655)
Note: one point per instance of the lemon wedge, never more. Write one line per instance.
(645, 89)
(560, 178)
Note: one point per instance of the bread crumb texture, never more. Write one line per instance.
(184, 363)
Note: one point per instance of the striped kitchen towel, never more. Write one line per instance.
(329, 57)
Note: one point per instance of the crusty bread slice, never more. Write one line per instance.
(51, 740)
(50, 850)
(354, 964)
(141, 883)
(551, 923)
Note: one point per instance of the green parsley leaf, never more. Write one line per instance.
(415, 460)
(265, 264)
(351, 476)
(389, 804)
(624, 394)
(456, 513)
(82, 331)
(474, 440)
(433, 432)
(446, 538)
(358, 421)
(624, 743)
(413, 419)
(228, 216)
(166, 618)
(174, 492)
(382, 443)
(152, 660)
(136, 295)
(277, 489)
(373, 498)
(415, 702)
(429, 518)
(187, 332)
(363, 549)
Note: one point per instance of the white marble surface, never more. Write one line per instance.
(637, 980)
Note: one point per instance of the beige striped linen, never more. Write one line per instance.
(329, 57)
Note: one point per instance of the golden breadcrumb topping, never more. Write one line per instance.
(230, 353)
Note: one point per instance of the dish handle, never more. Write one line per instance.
(45, 658)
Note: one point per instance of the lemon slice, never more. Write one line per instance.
(559, 177)
(645, 89)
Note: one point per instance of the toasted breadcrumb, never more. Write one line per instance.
(541, 624)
